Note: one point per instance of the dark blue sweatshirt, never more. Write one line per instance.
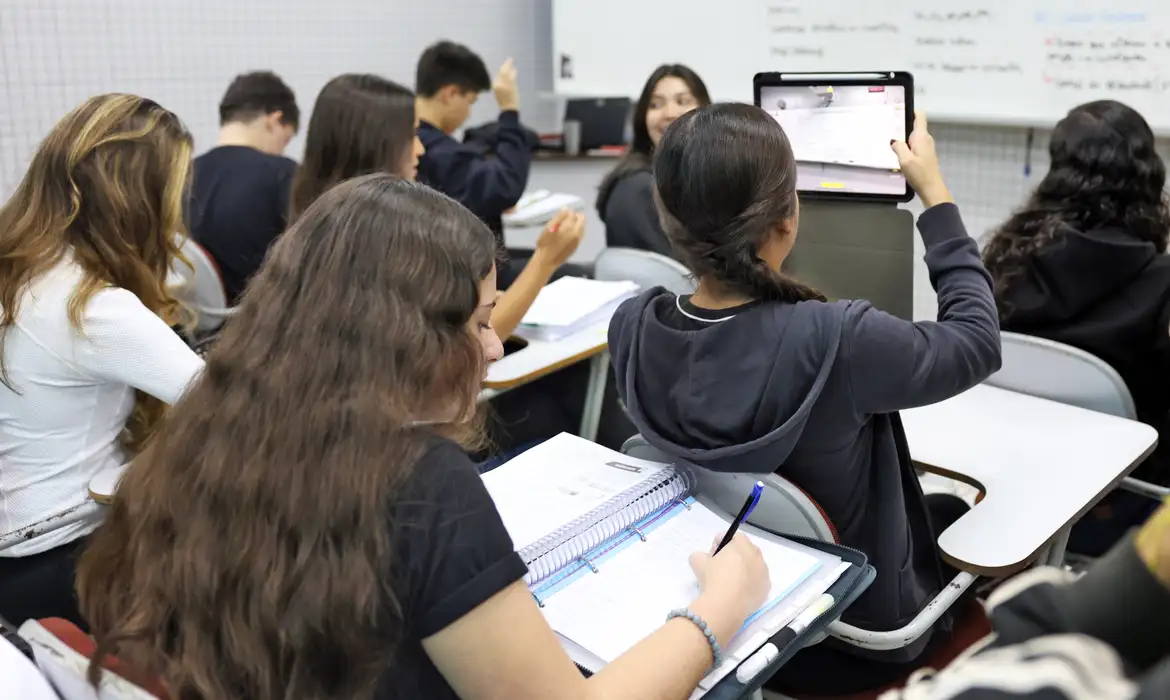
(811, 391)
(487, 184)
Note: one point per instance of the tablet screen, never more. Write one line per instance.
(840, 135)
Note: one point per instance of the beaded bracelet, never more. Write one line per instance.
(699, 622)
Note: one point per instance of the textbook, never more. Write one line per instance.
(607, 540)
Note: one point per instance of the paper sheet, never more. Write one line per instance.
(569, 300)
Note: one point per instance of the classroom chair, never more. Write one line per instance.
(63, 653)
(198, 285)
(787, 509)
(644, 268)
(1058, 372)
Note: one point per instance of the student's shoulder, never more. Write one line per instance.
(634, 179)
(433, 137)
(234, 156)
(819, 324)
(825, 313)
(1158, 269)
(633, 188)
(441, 464)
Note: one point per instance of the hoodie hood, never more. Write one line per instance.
(1077, 271)
(734, 395)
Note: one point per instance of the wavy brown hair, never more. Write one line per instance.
(361, 124)
(247, 552)
(106, 187)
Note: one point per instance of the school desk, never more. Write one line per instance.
(540, 358)
(1041, 464)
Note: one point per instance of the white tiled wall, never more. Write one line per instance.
(183, 54)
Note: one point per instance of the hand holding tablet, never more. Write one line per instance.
(840, 126)
(919, 163)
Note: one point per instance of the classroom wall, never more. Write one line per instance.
(54, 53)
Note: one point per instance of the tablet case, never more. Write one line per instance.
(845, 591)
(852, 584)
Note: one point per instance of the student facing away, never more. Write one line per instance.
(88, 361)
(340, 543)
(625, 199)
(361, 124)
(239, 196)
(758, 373)
(1083, 263)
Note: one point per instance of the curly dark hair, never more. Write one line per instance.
(1104, 172)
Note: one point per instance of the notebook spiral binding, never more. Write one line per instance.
(548, 555)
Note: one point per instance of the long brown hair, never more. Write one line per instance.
(247, 552)
(106, 186)
(641, 151)
(361, 124)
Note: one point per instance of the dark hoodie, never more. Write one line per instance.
(811, 391)
(1108, 293)
(627, 207)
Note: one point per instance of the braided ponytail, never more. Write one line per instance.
(726, 180)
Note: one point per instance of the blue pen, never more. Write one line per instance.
(1028, 152)
(748, 506)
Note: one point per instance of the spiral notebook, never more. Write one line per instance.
(607, 540)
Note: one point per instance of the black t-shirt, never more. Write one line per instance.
(239, 205)
(451, 553)
(685, 316)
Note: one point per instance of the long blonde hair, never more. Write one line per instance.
(106, 186)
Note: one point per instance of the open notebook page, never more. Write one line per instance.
(559, 481)
(632, 592)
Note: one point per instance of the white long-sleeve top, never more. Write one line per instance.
(73, 393)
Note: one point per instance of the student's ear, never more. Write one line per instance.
(449, 93)
(273, 120)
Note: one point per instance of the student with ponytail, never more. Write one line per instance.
(756, 372)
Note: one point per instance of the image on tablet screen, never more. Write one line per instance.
(841, 135)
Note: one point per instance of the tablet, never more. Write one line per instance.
(840, 126)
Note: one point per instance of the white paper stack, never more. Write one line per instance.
(539, 207)
(572, 304)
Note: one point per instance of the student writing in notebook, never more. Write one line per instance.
(756, 372)
(1083, 262)
(307, 525)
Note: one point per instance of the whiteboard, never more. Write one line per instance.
(1011, 62)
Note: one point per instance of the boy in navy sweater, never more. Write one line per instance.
(448, 81)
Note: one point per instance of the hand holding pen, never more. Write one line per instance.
(735, 573)
(749, 505)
